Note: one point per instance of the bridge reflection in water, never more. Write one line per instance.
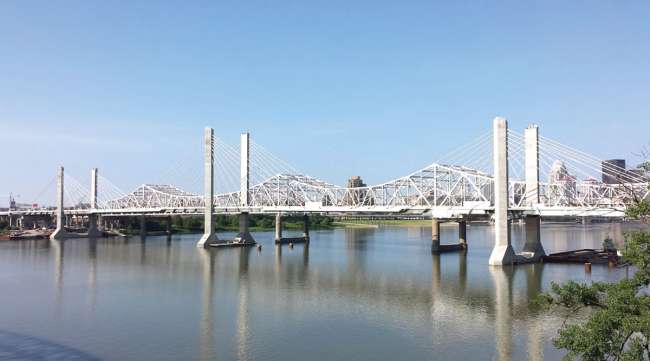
(366, 291)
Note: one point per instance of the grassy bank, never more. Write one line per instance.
(382, 222)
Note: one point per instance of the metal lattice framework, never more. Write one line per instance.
(449, 188)
(445, 190)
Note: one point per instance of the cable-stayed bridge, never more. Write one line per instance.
(523, 173)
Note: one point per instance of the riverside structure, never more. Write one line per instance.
(446, 192)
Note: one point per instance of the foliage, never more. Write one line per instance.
(618, 325)
(645, 166)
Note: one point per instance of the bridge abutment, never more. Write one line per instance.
(60, 232)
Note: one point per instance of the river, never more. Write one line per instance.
(352, 294)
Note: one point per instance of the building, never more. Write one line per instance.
(609, 167)
(615, 171)
(356, 182)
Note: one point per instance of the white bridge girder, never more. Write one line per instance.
(439, 188)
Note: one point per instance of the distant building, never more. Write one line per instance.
(357, 197)
(615, 171)
(610, 167)
(356, 182)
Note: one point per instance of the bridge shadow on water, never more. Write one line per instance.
(18, 347)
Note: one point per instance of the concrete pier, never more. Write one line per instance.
(435, 235)
(305, 227)
(436, 247)
(244, 236)
(60, 232)
(209, 236)
(533, 248)
(93, 229)
(168, 225)
(502, 252)
(462, 233)
(278, 227)
(143, 227)
(282, 240)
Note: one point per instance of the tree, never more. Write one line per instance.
(618, 324)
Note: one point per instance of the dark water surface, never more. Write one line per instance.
(353, 294)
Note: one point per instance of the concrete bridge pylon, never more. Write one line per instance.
(209, 235)
(244, 235)
(93, 219)
(502, 253)
(60, 232)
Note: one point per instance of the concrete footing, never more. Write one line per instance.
(282, 240)
(436, 247)
(60, 232)
(533, 248)
(93, 228)
(244, 235)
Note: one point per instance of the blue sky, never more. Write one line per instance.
(337, 88)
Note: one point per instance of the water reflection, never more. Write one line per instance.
(207, 317)
(355, 290)
(243, 332)
(57, 247)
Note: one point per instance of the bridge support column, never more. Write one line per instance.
(143, 227)
(435, 235)
(93, 230)
(502, 253)
(168, 225)
(209, 236)
(305, 227)
(60, 232)
(533, 248)
(462, 233)
(244, 235)
(11, 221)
(278, 227)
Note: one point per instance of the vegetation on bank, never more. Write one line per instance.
(383, 222)
(227, 223)
(618, 323)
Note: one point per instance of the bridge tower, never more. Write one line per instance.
(533, 249)
(60, 232)
(209, 236)
(93, 230)
(244, 235)
(502, 253)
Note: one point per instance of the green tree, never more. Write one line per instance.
(618, 322)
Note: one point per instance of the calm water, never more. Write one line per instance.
(353, 294)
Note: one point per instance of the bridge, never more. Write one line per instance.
(499, 175)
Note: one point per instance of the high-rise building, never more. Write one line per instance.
(610, 169)
(355, 182)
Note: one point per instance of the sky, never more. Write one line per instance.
(335, 88)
